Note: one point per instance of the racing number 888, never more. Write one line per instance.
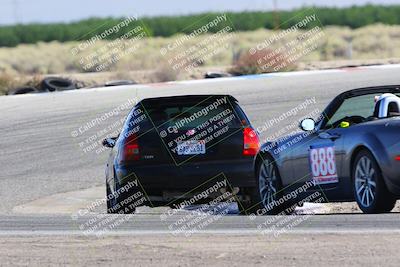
(323, 161)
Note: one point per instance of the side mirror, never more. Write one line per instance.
(307, 124)
(109, 142)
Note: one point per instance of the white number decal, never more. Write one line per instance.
(330, 153)
(314, 162)
(323, 164)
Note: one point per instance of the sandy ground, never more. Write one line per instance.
(204, 250)
(350, 207)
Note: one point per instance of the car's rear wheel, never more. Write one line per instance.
(270, 188)
(253, 204)
(370, 191)
(113, 202)
(124, 201)
(108, 199)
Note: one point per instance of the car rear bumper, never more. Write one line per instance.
(237, 173)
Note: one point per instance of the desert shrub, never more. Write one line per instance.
(9, 82)
(164, 73)
(260, 61)
(6, 83)
(246, 63)
(33, 81)
(369, 42)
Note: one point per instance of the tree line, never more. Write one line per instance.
(353, 17)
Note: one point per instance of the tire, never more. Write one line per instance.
(108, 200)
(212, 75)
(270, 188)
(121, 204)
(117, 205)
(370, 190)
(119, 82)
(57, 84)
(253, 205)
(23, 90)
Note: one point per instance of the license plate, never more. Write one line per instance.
(192, 147)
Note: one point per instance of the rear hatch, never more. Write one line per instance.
(192, 129)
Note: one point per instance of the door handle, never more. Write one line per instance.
(325, 135)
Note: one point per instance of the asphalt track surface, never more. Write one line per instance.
(337, 240)
(149, 224)
(40, 157)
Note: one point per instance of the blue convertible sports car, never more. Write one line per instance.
(351, 152)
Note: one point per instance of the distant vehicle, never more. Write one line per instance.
(178, 146)
(352, 152)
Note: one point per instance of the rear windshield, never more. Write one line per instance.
(187, 125)
(210, 116)
(192, 114)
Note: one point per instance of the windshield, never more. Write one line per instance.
(354, 110)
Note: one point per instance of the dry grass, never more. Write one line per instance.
(371, 42)
(9, 82)
(6, 83)
(164, 73)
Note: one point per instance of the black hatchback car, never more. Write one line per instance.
(178, 148)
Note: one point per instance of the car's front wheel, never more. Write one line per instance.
(370, 191)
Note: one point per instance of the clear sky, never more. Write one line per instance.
(26, 11)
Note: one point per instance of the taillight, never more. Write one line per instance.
(251, 143)
(397, 158)
(131, 148)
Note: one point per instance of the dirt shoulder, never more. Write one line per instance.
(217, 250)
